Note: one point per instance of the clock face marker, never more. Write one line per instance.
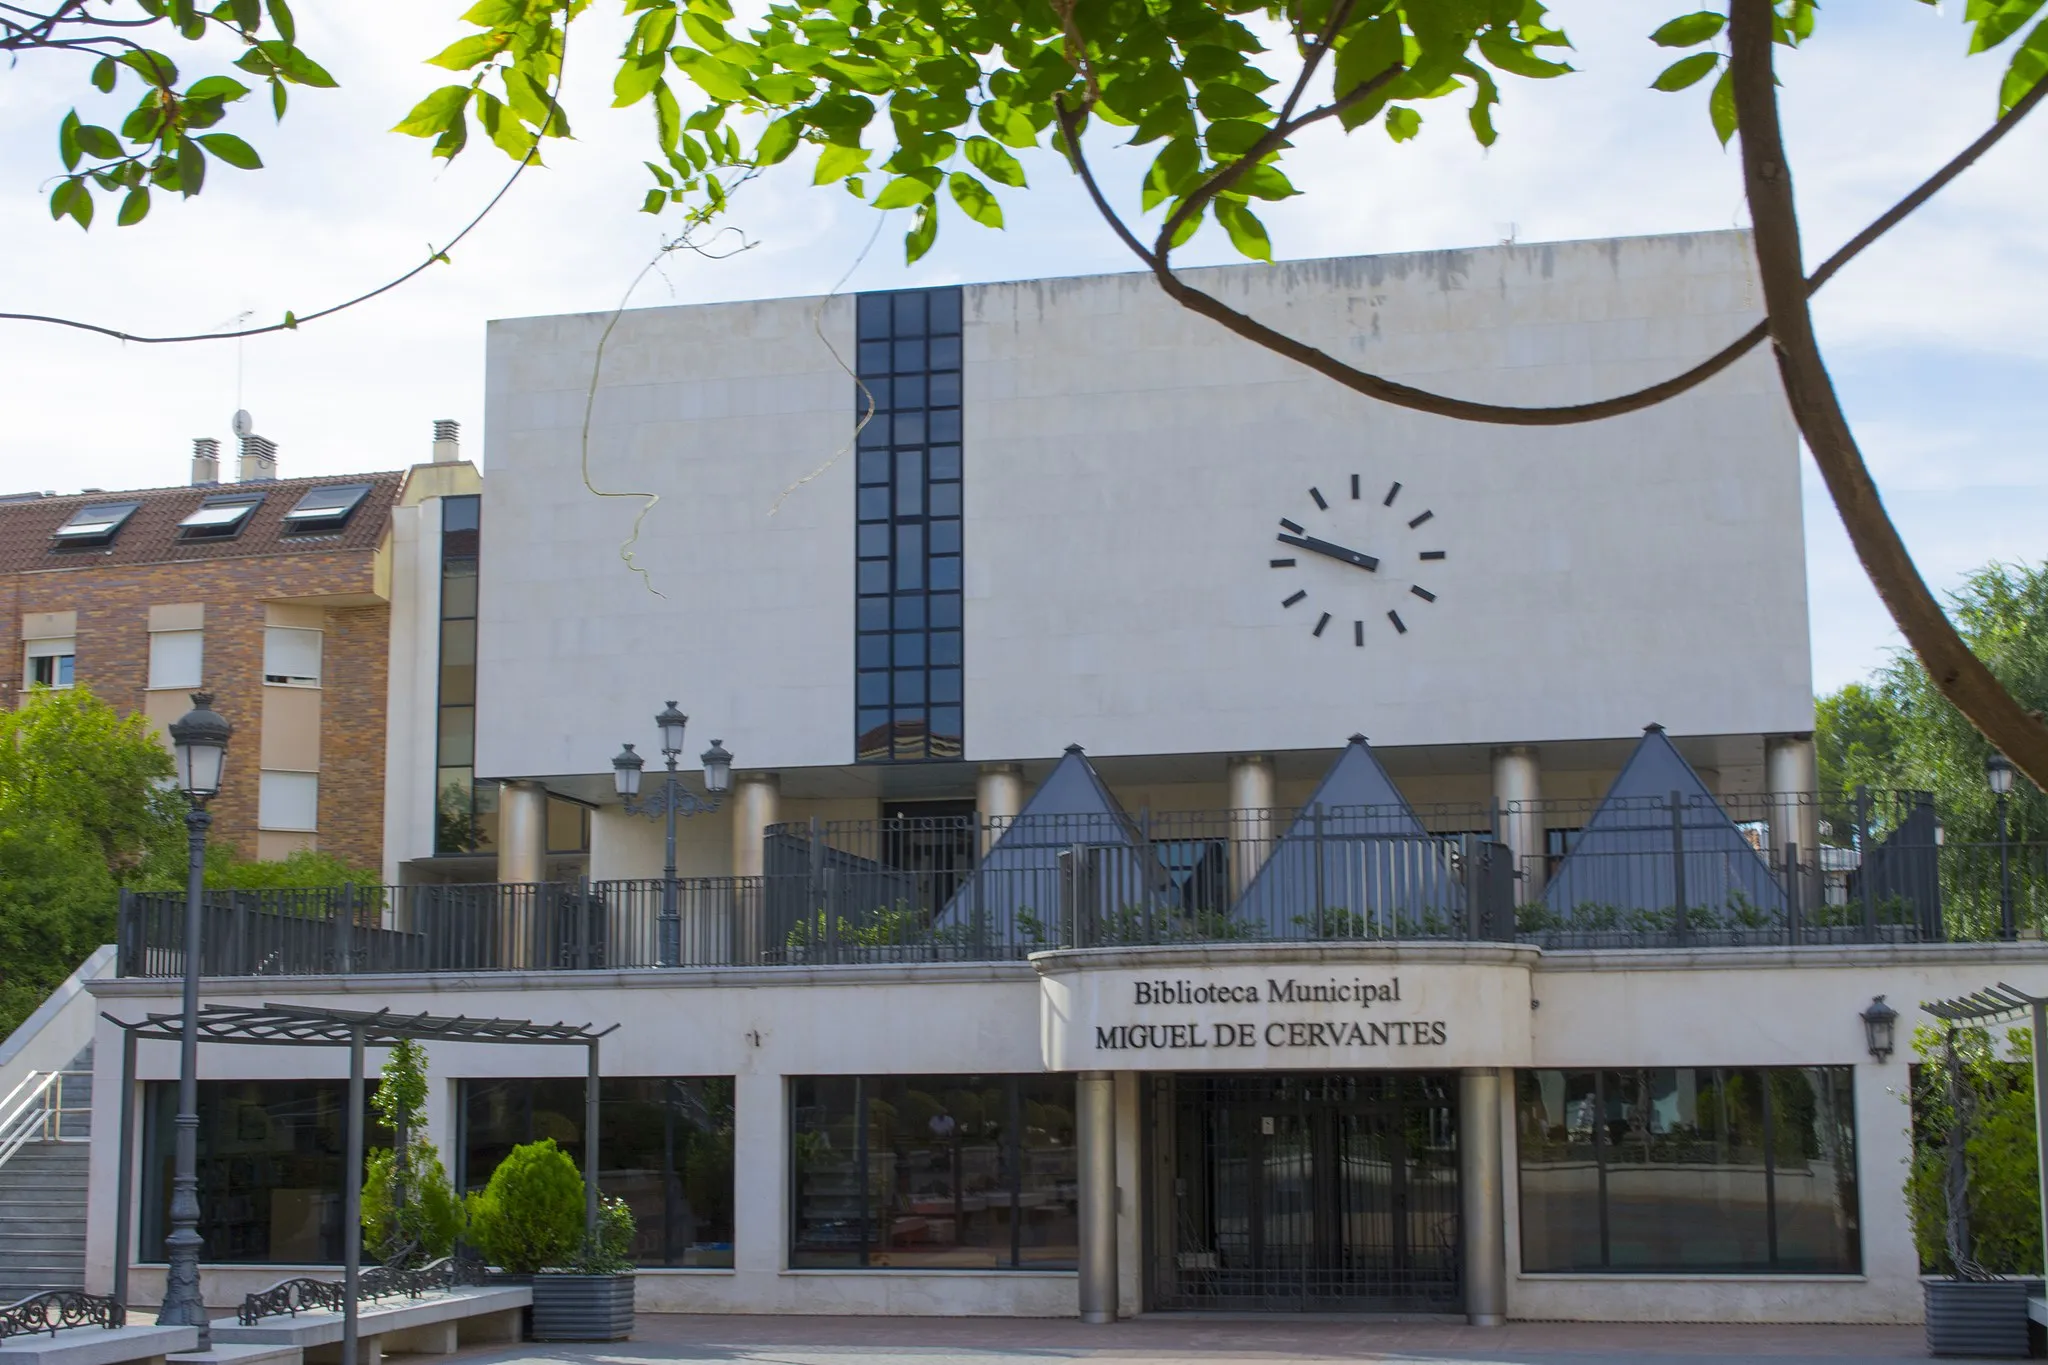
(1318, 631)
(1358, 633)
(1424, 593)
(1399, 628)
(1280, 563)
(1432, 554)
(1321, 502)
(1290, 526)
(1417, 521)
(1299, 594)
(1354, 488)
(1388, 501)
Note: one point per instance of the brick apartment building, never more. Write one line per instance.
(275, 595)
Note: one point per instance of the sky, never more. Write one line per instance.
(1934, 335)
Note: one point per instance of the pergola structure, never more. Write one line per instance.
(2003, 1004)
(356, 1030)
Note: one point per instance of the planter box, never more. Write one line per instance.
(600, 1307)
(1966, 1317)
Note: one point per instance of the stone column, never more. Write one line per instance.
(998, 796)
(522, 859)
(1095, 1138)
(1792, 777)
(756, 804)
(1251, 788)
(1480, 1186)
(1518, 791)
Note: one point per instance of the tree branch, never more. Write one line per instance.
(1959, 674)
(1403, 395)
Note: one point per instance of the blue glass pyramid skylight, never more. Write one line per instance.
(1622, 871)
(1355, 863)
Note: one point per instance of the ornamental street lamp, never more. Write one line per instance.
(1878, 1022)
(1998, 772)
(671, 801)
(199, 742)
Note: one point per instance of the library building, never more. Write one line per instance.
(1084, 817)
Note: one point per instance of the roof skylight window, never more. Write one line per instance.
(218, 518)
(325, 509)
(95, 524)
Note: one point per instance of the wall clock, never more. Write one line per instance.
(1357, 558)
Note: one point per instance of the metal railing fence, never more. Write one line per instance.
(1642, 872)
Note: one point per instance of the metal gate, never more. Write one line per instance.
(1307, 1193)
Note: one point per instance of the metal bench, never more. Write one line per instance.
(437, 1323)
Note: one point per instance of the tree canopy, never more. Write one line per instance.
(86, 807)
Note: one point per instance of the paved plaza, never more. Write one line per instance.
(1171, 1340)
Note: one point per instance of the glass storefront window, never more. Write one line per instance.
(934, 1172)
(665, 1146)
(270, 1169)
(1689, 1170)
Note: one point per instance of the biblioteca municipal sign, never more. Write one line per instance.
(1265, 1011)
(1197, 1027)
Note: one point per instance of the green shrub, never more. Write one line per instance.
(530, 1215)
(425, 1227)
(2001, 1227)
(611, 1251)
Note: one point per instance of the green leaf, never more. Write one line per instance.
(1247, 233)
(104, 73)
(2029, 67)
(432, 115)
(291, 320)
(1690, 30)
(668, 118)
(503, 127)
(922, 234)
(1230, 101)
(296, 67)
(464, 53)
(1997, 20)
(67, 140)
(1403, 123)
(637, 77)
(281, 20)
(1518, 58)
(97, 142)
(778, 140)
(1008, 124)
(248, 15)
(916, 187)
(717, 79)
(836, 163)
(1686, 71)
(655, 201)
(1721, 106)
(191, 167)
(277, 97)
(995, 162)
(232, 150)
(975, 199)
(217, 88)
(1265, 181)
(134, 208)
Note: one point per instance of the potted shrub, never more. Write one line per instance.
(528, 1221)
(411, 1214)
(1973, 1192)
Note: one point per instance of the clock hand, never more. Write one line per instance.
(1334, 551)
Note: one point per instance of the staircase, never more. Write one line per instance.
(42, 1184)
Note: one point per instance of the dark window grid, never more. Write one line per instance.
(461, 544)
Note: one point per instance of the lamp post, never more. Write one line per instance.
(1998, 772)
(671, 801)
(199, 743)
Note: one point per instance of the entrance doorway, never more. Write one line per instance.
(1306, 1193)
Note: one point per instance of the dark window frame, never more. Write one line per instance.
(114, 515)
(225, 530)
(323, 519)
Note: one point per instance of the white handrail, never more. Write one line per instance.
(33, 1113)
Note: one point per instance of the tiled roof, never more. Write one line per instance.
(151, 535)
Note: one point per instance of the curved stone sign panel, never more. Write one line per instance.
(1282, 1008)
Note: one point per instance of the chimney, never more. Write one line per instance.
(205, 461)
(259, 460)
(447, 441)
